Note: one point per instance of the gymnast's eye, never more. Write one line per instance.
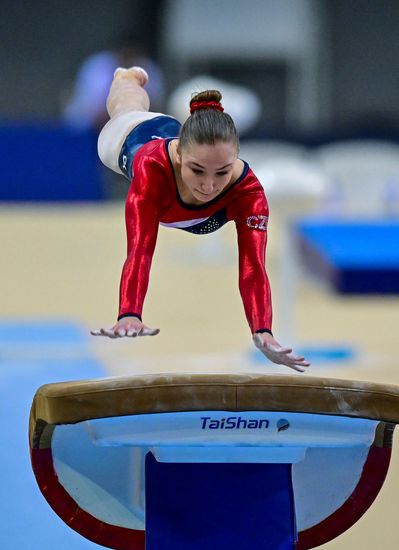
(221, 173)
(196, 171)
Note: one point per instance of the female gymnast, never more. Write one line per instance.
(188, 177)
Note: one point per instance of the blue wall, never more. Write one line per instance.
(48, 162)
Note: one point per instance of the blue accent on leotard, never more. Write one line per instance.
(159, 127)
(213, 223)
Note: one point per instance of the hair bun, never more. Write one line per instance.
(208, 99)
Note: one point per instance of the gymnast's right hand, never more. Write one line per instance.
(127, 327)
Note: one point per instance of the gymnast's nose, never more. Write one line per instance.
(207, 185)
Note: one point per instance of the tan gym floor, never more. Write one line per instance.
(65, 261)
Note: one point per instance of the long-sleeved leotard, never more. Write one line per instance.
(153, 199)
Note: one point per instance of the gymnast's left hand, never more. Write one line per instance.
(129, 327)
(271, 349)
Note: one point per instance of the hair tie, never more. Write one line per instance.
(197, 105)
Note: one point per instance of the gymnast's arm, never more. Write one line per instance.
(142, 221)
(251, 217)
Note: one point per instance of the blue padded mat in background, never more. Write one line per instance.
(33, 354)
(353, 256)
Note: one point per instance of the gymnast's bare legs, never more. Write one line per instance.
(127, 92)
(127, 105)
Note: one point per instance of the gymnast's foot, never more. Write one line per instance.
(136, 73)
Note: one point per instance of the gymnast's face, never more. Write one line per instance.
(207, 169)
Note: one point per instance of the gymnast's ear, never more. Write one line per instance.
(178, 155)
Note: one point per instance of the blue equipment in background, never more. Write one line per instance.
(354, 256)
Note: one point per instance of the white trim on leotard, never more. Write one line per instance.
(114, 133)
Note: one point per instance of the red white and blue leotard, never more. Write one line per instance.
(153, 199)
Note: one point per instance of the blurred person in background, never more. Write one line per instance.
(189, 178)
(85, 107)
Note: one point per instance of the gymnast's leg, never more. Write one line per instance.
(127, 92)
(127, 105)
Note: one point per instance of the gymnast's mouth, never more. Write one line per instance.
(207, 194)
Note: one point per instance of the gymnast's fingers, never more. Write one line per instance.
(103, 332)
(297, 363)
(110, 332)
(146, 331)
(278, 349)
(297, 368)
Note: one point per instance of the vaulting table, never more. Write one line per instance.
(238, 461)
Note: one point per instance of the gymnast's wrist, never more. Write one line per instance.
(136, 315)
(262, 330)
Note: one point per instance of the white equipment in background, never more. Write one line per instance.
(364, 177)
(241, 103)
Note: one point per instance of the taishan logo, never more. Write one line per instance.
(234, 423)
(239, 423)
(258, 222)
(282, 425)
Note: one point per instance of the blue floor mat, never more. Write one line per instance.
(27, 520)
